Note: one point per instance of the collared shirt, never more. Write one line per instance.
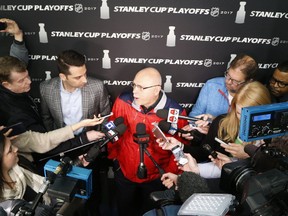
(148, 109)
(213, 98)
(71, 103)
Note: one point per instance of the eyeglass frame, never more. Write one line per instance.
(234, 82)
(279, 83)
(141, 88)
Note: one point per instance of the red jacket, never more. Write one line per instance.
(126, 151)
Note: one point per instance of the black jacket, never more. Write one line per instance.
(16, 108)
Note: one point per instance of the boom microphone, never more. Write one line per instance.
(173, 115)
(189, 183)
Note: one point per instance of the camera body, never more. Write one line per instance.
(83, 177)
(260, 183)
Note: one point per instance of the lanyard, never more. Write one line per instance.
(225, 96)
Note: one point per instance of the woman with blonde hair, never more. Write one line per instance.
(251, 94)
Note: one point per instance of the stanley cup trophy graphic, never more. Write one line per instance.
(241, 13)
(106, 61)
(168, 84)
(232, 56)
(171, 37)
(43, 38)
(48, 75)
(104, 10)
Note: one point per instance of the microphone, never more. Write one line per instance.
(168, 128)
(111, 125)
(172, 116)
(189, 183)
(111, 135)
(142, 138)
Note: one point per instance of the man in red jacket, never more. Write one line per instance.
(140, 106)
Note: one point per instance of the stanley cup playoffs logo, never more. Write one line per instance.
(241, 13)
(215, 11)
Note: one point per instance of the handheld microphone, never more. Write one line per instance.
(142, 138)
(111, 135)
(172, 116)
(113, 124)
(168, 128)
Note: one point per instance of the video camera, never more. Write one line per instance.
(260, 183)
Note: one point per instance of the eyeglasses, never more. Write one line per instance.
(281, 84)
(141, 88)
(233, 81)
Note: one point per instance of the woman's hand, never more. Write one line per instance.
(191, 166)
(220, 160)
(236, 150)
(87, 123)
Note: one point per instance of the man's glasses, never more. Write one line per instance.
(233, 81)
(280, 84)
(141, 88)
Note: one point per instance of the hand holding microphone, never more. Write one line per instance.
(185, 132)
(172, 116)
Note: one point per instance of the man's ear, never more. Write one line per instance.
(62, 76)
(157, 90)
(6, 84)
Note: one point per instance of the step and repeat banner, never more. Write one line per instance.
(189, 41)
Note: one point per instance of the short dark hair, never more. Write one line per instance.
(283, 66)
(247, 65)
(9, 64)
(69, 58)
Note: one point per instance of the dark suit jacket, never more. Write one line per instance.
(95, 100)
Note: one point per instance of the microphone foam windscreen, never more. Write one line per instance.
(121, 129)
(162, 113)
(189, 183)
(119, 120)
(164, 126)
(140, 128)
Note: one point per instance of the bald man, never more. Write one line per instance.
(278, 84)
(139, 106)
